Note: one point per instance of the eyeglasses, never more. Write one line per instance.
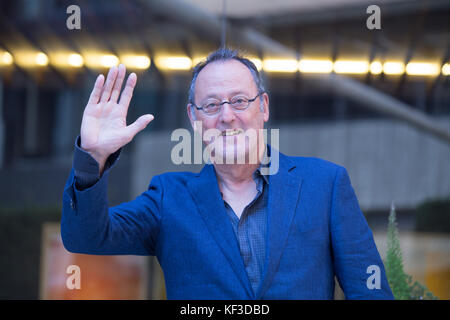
(238, 103)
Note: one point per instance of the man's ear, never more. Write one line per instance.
(265, 99)
(191, 115)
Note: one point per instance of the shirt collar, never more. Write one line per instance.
(257, 174)
(264, 164)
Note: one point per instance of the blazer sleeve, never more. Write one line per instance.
(89, 226)
(357, 263)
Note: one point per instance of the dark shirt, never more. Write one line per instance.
(251, 230)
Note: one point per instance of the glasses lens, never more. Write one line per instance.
(239, 102)
(211, 108)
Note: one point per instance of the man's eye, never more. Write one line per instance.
(239, 101)
(210, 105)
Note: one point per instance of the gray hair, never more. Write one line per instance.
(225, 54)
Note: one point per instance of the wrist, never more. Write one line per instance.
(91, 162)
(99, 157)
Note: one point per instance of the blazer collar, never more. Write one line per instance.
(282, 200)
(206, 194)
(284, 193)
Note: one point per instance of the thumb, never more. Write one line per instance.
(139, 124)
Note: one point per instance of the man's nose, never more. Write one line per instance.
(227, 113)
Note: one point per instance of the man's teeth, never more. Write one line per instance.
(231, 132)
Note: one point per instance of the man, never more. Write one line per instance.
(228, 232)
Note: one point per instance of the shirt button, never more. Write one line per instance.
(72, 204)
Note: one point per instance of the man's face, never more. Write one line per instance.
(221, 81)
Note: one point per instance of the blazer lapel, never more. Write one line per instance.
(205, 191)
(284, 191)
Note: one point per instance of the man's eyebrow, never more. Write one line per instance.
(212, 95)
(235, 93)
(230, 95)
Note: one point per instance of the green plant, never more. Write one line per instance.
(401, 283)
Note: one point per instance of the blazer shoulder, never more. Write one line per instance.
(313, 166)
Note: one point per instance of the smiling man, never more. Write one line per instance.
(246, 110)
(229, 231)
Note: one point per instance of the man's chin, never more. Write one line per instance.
(235, 155)
(230, 153)
(236, 149)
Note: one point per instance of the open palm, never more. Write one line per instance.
(104, 129)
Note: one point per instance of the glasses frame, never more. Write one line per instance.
(224, 102)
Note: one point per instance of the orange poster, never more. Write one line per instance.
(69, 276)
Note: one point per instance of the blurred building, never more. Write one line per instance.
(375, 101)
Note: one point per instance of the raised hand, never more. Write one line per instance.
(104, 129)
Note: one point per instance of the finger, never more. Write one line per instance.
(139, 125)
(95, 94)
(127, 92)
(118, 84)
(112, 75)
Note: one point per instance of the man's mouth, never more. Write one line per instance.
(231, 132)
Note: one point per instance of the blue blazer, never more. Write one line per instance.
(316, 231)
